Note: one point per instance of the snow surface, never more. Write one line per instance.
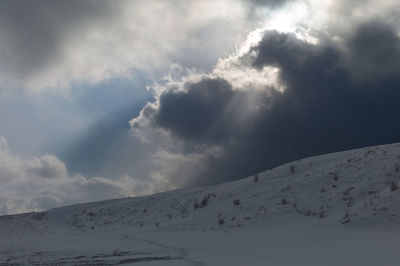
(335, 209)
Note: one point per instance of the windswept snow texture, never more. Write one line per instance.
(337, 209)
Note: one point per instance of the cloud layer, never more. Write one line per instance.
(336, 88)
(56, 44)
(42, 182)
(84, 50)
(313, 77)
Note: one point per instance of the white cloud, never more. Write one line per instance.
(54, 45)
(38, 183)
(42, 182)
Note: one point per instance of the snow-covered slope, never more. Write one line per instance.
(352, 188)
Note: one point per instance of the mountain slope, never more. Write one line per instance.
(357, 188)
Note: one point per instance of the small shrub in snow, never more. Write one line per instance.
(255, 177)
(394, 186)
(221, 221)
(346, 218)
(322, 214)
(323, 189)
(349, 201)
(204, 202)
(335, 176)
(347, 191)
(284, 201)
(236, 202)
(292, 168)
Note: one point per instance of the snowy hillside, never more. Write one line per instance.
(329, 194)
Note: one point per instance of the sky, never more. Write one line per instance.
(109, 99)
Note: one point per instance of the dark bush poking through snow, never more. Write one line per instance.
(394, 186)
(204, 202)
(292, 168)
(255, 177)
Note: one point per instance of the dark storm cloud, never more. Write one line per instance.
(374, 51)
(193, 115)
(327, 106)
(209, 111)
